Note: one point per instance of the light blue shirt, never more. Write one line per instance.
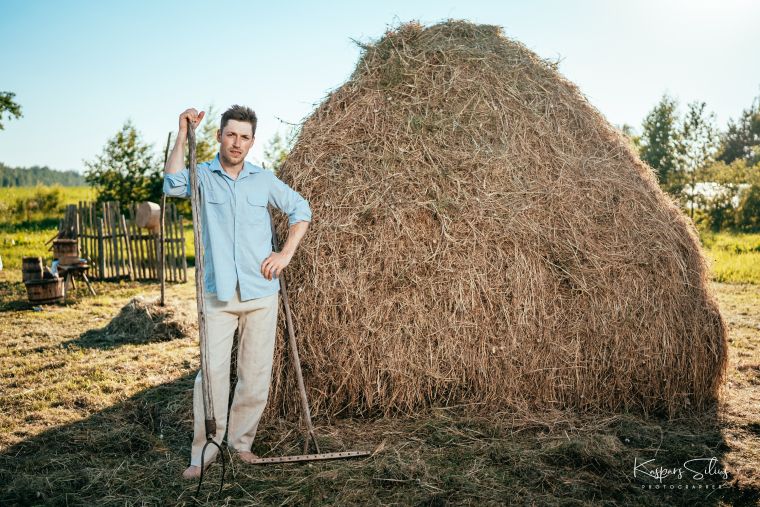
(237, 234)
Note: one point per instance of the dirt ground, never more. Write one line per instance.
(92, 418)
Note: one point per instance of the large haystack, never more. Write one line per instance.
(483, 236)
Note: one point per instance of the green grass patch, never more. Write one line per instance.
(19, 242)
(69, 195)
(734, 257)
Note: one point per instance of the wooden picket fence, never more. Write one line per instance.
(117, 248)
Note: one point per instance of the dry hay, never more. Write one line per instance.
(142, 320)
(483, 236)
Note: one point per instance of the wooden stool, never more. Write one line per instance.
(70, 271)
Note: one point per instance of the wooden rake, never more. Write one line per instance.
(309, 437)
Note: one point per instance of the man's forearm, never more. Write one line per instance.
(175, 163)
(295, 233)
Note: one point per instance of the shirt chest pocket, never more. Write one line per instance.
(256, 212)
(216, 204)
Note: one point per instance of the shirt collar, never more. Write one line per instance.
(248, 168)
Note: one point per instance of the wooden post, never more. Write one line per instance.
(169, 243)
(128, 248)
(150, 247)
(101, 256)
(115, 232)
(81, 230)
(135, 248)
(134, 241)
(143, 252)
(175, 245)
(106, 242)
(93, 242)
(184, 255)
(160, 251)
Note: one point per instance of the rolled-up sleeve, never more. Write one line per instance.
(177, 184)
(289, 201)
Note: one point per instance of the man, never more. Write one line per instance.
(240, 275)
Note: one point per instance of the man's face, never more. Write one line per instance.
(235, 141)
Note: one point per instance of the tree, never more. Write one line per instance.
(275, 153)
(278, 147)
(734, 197)
(742, 138)
(127, 170)
(748, 211)
(659, 139)
(630, 133)
(31, 176)
(696, 145)
(206, 145)
(8, 106)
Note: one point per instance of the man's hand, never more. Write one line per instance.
(277, 261)
(195, 118)
(176, 161)
(274, 264)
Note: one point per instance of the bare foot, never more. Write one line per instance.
(194, 472)
(247, 456)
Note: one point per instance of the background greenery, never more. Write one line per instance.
(712, 173)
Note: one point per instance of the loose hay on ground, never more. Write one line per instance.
(145, 320)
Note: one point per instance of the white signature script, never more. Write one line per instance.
(697, 469)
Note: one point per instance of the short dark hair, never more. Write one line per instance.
(240, 113)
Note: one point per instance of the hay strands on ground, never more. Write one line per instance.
(309, 437)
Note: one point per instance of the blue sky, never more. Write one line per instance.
(81, 68)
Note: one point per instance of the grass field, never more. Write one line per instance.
(70, 195)
(85, 420)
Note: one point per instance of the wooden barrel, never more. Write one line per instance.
(45, 291)
(32, 268)
(66, 251)
(148, 215)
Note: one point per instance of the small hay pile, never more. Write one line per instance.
(142, 321)
(483, 236)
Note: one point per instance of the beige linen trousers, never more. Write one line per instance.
(256, 320)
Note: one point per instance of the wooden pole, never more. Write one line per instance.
(137, 250)
(93, 240)
(200, 296)
(114, 208)
(128, 248)
(101, 246)
(106, 243)
(161, 255)
(178, 240)
(171, 257)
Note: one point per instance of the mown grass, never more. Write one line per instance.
(85, 420)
